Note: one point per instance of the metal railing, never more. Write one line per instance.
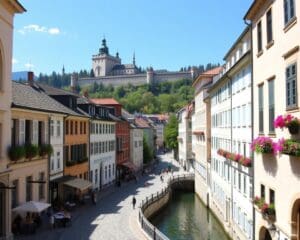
(146, 226)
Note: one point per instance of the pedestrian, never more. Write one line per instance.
(94, 197)
(133, 202)
(52, 221)
(161, 178)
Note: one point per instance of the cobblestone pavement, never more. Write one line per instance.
(113, 218)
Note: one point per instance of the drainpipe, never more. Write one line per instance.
(250, 25)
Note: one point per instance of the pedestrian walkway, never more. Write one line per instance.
(113, 217)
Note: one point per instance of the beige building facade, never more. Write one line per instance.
(276, 58)
(7, 10)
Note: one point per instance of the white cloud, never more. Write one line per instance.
(37, 28)
(14, 61)
(54, 31)
(29, 65)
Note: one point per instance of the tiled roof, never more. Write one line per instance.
(104, 101)
(213, 71)
(34, 98)
(142, 123)
(52, 91)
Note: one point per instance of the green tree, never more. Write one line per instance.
(171, 133)
(147, 154)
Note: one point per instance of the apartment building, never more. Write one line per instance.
(102, 143)
(122, 131)
(8, 9)
(275, 30)
(201, 134)
(136, 146)
(185, 155)
(231, 172)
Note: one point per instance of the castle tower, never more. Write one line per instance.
(74, 82)
(150, 76)
(103, 62)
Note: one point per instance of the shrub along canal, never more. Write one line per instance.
(186, 218)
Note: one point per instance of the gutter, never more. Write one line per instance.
(250, 25)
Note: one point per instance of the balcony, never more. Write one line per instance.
(73, 163)
(28, 152)
(267, 210)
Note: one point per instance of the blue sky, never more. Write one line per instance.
(165, 34)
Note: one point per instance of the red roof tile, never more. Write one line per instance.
(213, 71)
(141, 123)
(104, 101)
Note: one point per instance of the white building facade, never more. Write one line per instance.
(56, 165)
(231, 171)
(102, 153)
(136, 146)
(276, 60)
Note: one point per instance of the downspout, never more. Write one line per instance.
(250, 25)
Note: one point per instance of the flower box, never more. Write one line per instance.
(263, 145)
(15, 153)
(45, 149)
(288, 121)
(267, 210)
(291, 147)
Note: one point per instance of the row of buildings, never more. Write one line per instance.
(240, 133)
(57, 145)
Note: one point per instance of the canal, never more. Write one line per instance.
(187, 218)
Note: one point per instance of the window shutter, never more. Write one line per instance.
(46, 127)
(21, 131)
(35, 132)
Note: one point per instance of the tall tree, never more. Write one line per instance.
(171, 133)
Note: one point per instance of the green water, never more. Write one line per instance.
(187, 218)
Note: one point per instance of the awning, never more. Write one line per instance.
(129, 165)
(32, 206)
(79, 183)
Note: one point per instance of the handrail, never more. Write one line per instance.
(146, 226)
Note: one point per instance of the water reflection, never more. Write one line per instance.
(186, 218)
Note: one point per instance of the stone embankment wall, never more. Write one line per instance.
(162, 201)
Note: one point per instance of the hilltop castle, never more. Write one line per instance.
(109, 69)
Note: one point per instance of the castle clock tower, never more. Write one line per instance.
(103, 63)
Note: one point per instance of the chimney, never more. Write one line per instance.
(30, 78)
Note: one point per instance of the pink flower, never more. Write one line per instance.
(279, 122)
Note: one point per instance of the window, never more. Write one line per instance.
(58, 129)
(28, 127)
(272, 196)
(245, 184)
(14, 193)
(289, 11)
(76, 127)
(291, 86)
(105, 172)
(84, 127)
(269, 26)
(28, 188)
(58, 160)
(109, 171)
(259, 37)
(71, 127)
(271, 106)
(51, 128)
(35, 136)
(261, 108)
(113, 169)
(91, 175)
(239, 181)
(41, 186)
(67, 127)
(96, 176)
(262, 191)
(52, 162)
(67, 153)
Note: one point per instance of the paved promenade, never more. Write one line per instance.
(113, 218)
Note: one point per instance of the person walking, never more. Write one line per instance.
(133, 202)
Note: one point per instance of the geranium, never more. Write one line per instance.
(279, 122)
(286, 121)
(245, 161)
(237, 157)
(263, 145)
(264, 208)
(279, 146)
